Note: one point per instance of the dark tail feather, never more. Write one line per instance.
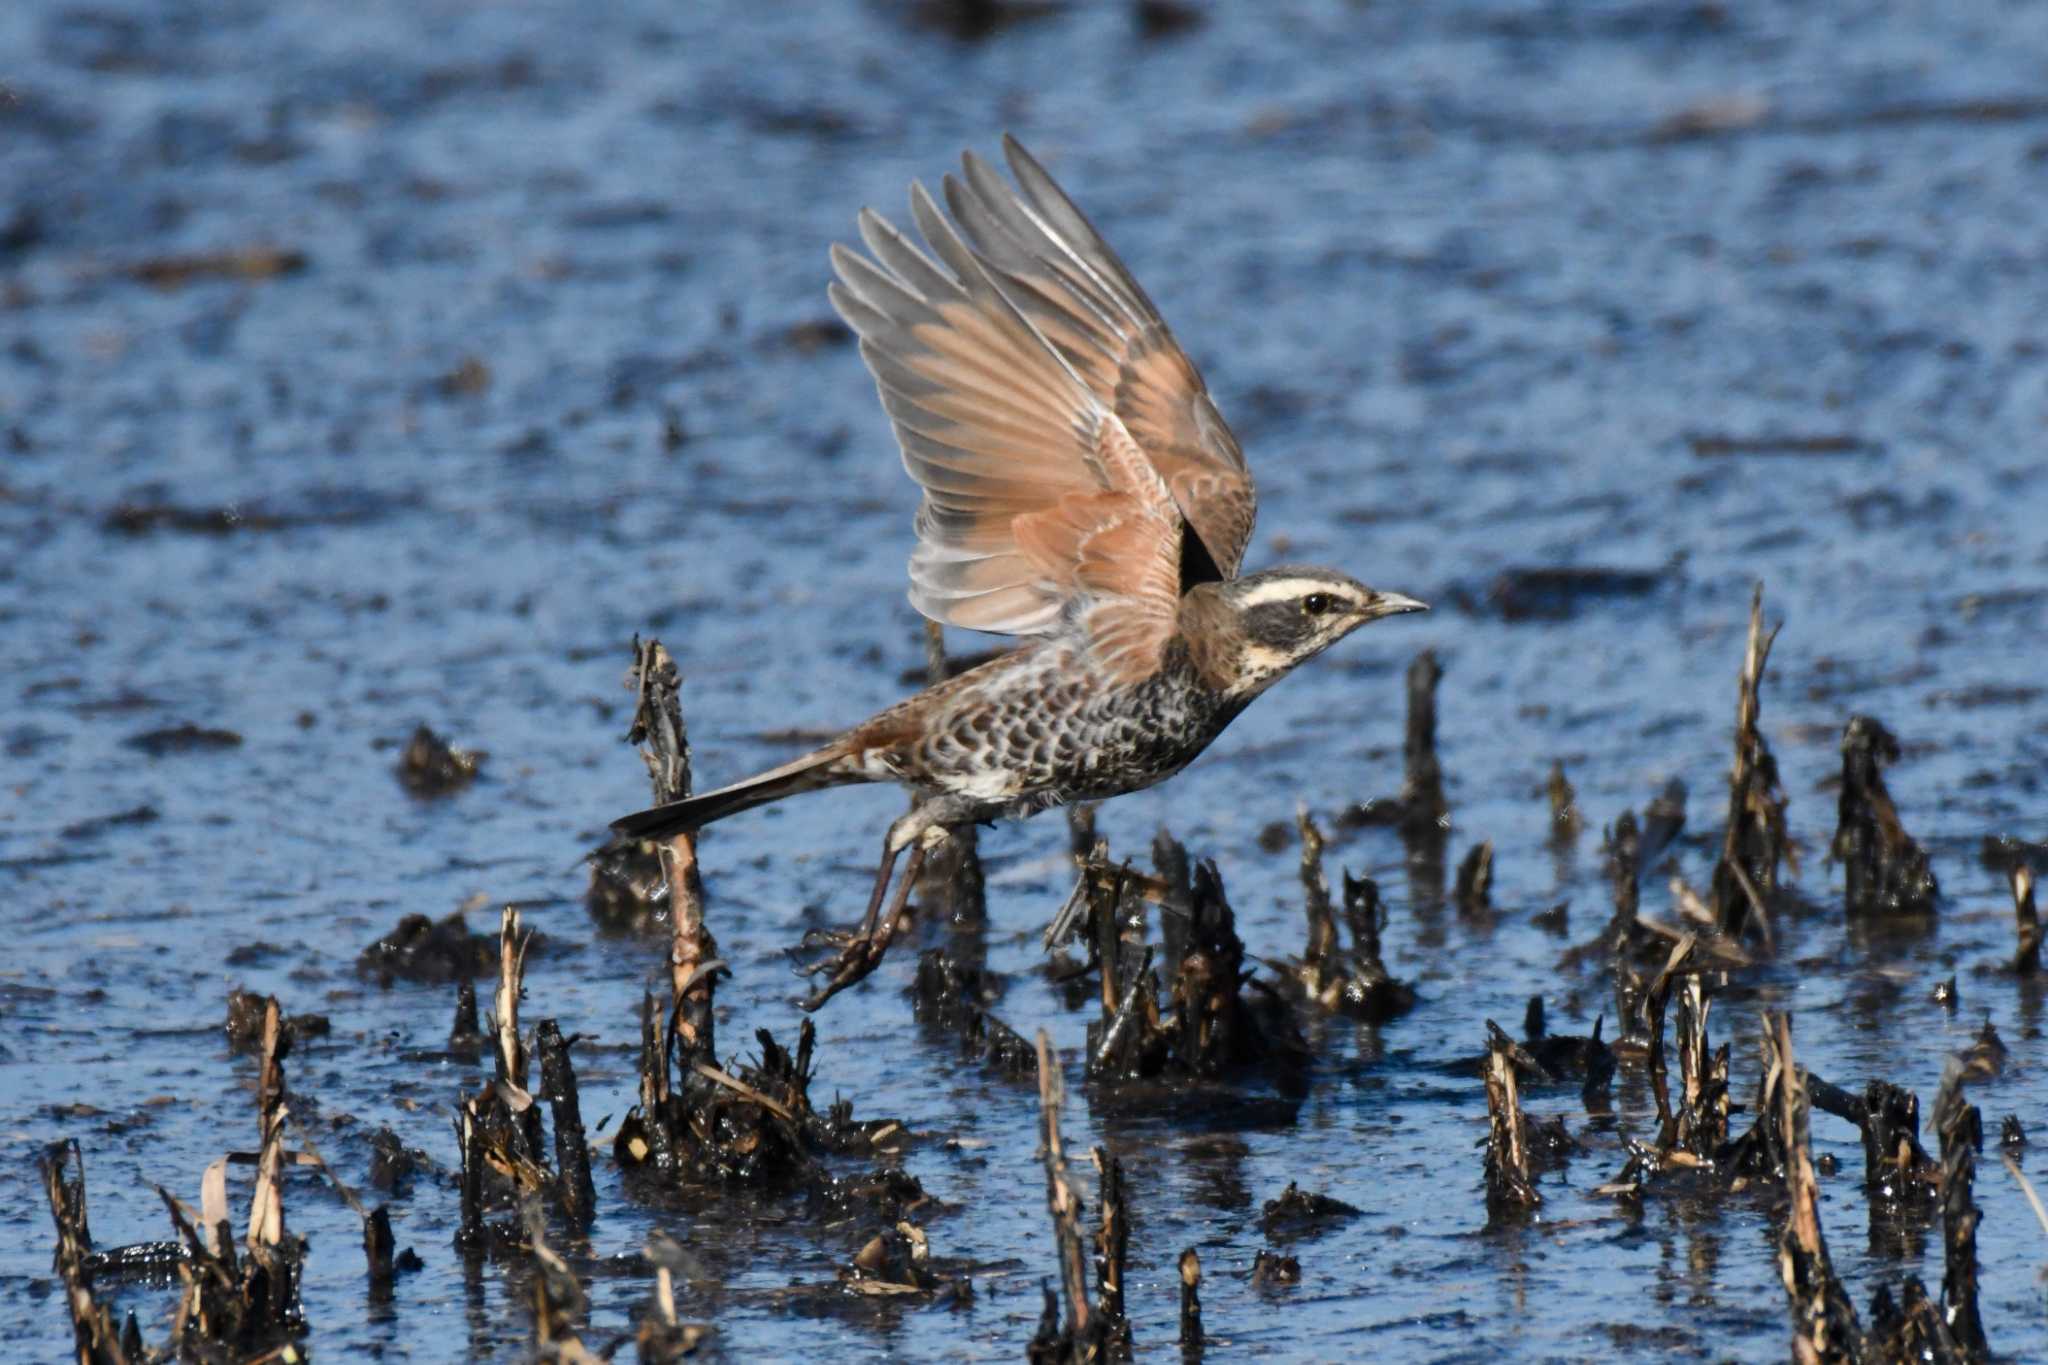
(809, 773)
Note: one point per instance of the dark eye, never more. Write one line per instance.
(1316, 603)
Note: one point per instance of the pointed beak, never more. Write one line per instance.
(1394, 604)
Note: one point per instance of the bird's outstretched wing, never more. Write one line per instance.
(1037, 496)
(1055, 267)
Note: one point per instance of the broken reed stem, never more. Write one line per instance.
(1104, 894)
(1825, 1327)
(469, 1140)
(574, 1190)
(1755, 840)
(658, 725)
(1692, 1040)
(2026, 1188)
(1509, 1189)
(1565, 821)
(466, 1029)
(1190, 1303)
(1656, 1001)
(92, 1322)
(242, 1306)
(1422, 784)
(1703, 1073)
(1060, 1199)
(266, 1206)
(2027, 961)
(1362, 912)
(511, 1050)
(1961, 1127)
(1112, 1246)
(1425, 814)
(1119, 1023)
(1322, 916)
(1885, 870)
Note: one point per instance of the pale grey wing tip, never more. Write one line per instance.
(1032, 174)
(847, 304)
(1014, 151)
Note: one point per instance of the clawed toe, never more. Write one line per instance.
(850, 966)
(860, 951)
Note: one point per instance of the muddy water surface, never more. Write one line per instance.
(396, 363)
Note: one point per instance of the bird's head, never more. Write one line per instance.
(1264, 624)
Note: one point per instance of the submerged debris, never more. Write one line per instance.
(1888, 873)
(183, 739)
(383, 1260)
(897, 1261)
(1663, 822)
(430, 767)
(630, 879)
(1548, 1058)
(245, 1022)
(949, 996)
(422, 949)
(1557, 592)
(498, 1130)
(1985, 1056)
(1270, 1268)
(1355, 983)
(1692, 1133)
(1897, 1172)
(1297, 1213)
(757, 1129)
(1206, 1025)
(696, 1121)
(246, 263)
(247, 1303)
(574, 1190)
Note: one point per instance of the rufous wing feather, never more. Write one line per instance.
(1060, 273)
(1038, 501)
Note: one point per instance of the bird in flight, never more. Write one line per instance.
(1080, 490)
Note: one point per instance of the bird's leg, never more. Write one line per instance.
(867, 921)
(863, 952)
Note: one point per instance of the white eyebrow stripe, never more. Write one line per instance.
(1290, 590)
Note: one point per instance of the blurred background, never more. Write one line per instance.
(370, 365)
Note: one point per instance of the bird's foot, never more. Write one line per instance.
(860, 952)
(858, 955)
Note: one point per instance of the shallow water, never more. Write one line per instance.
(1471, 295)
